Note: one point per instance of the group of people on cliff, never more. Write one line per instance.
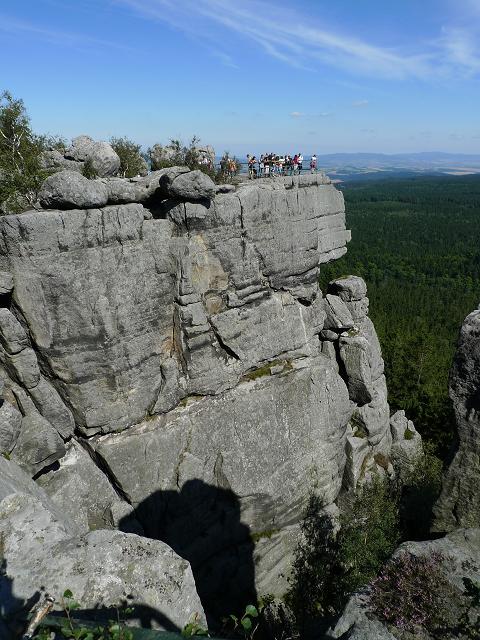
(271, 164)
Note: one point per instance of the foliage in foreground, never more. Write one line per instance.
(411, 592)
(417, 494)
(329, 567)
(243, 626)
(369, 534)
(412, 595)
(74, 630)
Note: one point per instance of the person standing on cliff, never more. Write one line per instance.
(251, 165)
(313, 164)
(300, 162)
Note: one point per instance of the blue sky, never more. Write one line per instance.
(351, 75)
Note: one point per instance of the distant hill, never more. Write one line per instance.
(426, 160)
(364, 166)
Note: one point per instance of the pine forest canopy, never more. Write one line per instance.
(416, 242)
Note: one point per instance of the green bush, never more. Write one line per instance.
(412, 592)
(72, 629)
(21, 172)
(131, 162)
(418, 491)
(88, 170)
(178, 154)
(313, 591)
(329, 567)
(175, 154)
(368, 535)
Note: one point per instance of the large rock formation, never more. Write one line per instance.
(103, 160)
(187, 372)
(459, 503)
(41, 549)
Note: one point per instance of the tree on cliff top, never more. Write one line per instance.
(21, 172)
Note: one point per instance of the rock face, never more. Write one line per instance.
(198, 383)
(461, 559)
(41, 548)
(459, 503)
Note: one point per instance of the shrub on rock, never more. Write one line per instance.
(131, 162)
(21, 169)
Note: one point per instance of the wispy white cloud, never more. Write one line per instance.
(293, 39)
(224, 58)
(462, 47)
(310, 116)
(59, 37)
(360, 103)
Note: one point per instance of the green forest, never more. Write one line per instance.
(416, 242)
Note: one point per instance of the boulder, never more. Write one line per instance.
(6, 282)
(192, 186)
(80, 149)
(13, 480)
(160, 154)
(155, 186)
(338, 316)
(49, 403)
(10, 424)
(359, 454)
(348, 289)
(38, 444)
(12, 335)
(104, 160)
(82, 491)
(53, 159)
(102, 568)
(23, 366)
(354, 352)
(206, 152)
(70, 190)
(374, 416)
(121, 190)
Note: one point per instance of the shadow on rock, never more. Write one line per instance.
(202, 524)
(13, 610)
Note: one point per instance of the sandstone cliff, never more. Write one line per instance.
(171, 367)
